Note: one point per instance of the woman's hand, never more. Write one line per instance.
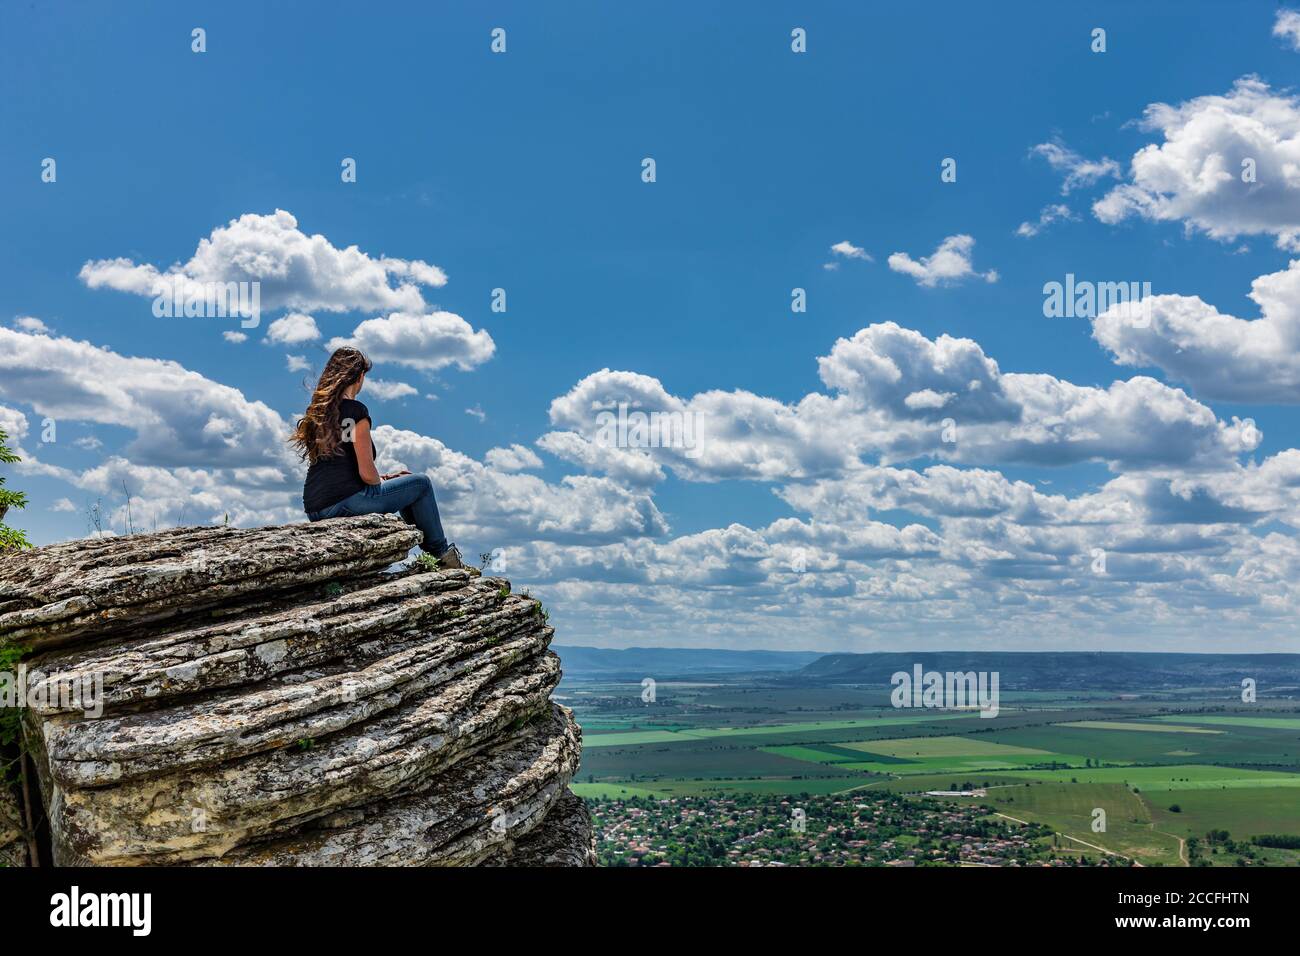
(396, 474)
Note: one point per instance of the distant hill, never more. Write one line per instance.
(1017, 670)
(634, 663)
(1052, 670)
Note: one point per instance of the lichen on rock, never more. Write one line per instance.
(13, 845)
(285, 696)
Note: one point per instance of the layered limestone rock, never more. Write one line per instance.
(284, 696)
(13, 845)
(552, 842)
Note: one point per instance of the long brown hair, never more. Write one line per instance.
(319, 433)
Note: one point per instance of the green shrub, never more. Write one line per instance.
(11, 539)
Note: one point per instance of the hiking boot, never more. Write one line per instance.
(449, 560)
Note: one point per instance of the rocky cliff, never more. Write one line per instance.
(13, 848)
(284, 696)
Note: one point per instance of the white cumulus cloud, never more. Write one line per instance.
(1228, 165)
(848, 250)
(515, 458)
(292, 329)
(29, 323)
(179, 417)
(387, 391)
(295, 270)
(950, 262)
(1077, 171)
(1287, 27)
(422, 341)
(897, 395)
(1219, 356)
(1056, 212)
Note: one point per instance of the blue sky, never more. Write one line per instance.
(522, 171)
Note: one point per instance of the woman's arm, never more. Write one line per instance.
(365, 452)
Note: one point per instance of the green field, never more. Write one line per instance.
(1185, 777)
(610, 791)
(1052, 760)
(923, 755)
(1277, 723)
(920, 783)
(813, 754)
(1070, 809)
(636, 738)
(1263, 747)
(695, 788)
(1241, 812)
(1147, 728)
(970, 746)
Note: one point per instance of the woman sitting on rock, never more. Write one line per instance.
(334, 435)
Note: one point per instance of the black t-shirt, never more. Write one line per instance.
(332, 479)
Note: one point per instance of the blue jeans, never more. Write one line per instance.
(411, 495)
